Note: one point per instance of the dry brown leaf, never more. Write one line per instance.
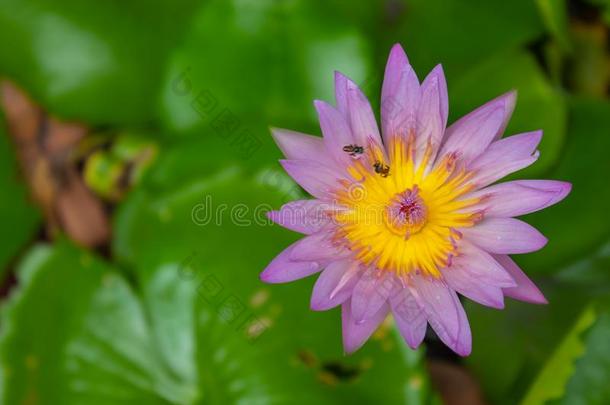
(44, 147)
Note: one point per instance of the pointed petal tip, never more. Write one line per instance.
(525, 290)
(284, 270)
(324, 109)
(398, 52)
(508, 99)
(397, 61)
(276, 133)
(496, 304)
(270, 276)
(341, 82)
(291, 271)
(564, 189)
(529, 293)
(438, 70)
(542, 241)
(340, 76)
(537, 241)
(350, 347)
(462, 346)
(463, 351)
(536, 136)
(413, 344)
(272, 215)
(346, 351)
(531, 296)
(281, 137)
(265, 277)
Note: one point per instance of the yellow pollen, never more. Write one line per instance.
(405, 219)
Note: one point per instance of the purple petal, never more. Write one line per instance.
(432, 112)
(509, 106)
(399, 100)
(361, 117)
(505, 236)
(481, 265)
(521, 197)
(304, 216)
(336, 131)
(334, 286)
(341, 94)
(525, 290)
(444, 312)
(370, 293)
(410, 317)
(298, 146)
(319, 247)
(283, 270)
(473, 133)
(396, 65)
(505, 156)
(317, 180)
(355, 334)
(469, 285)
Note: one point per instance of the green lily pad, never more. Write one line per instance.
(96, 61)
(264, 63)
(589, 381)
(550, 383)
(55, 287)
(76, 332)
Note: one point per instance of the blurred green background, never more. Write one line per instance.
(116, 287)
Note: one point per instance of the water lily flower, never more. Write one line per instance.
(405, 218)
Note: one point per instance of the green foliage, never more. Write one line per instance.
(577, 372)
(99, 61)
(554, 14)
(18, 216)
(461, 34)
(589, 381)
(558, 369)
(284, 53)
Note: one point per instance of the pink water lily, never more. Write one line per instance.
(404, 219)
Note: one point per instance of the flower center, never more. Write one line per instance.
(405, 218)
(407, 213)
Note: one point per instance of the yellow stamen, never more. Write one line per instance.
(405, 221)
